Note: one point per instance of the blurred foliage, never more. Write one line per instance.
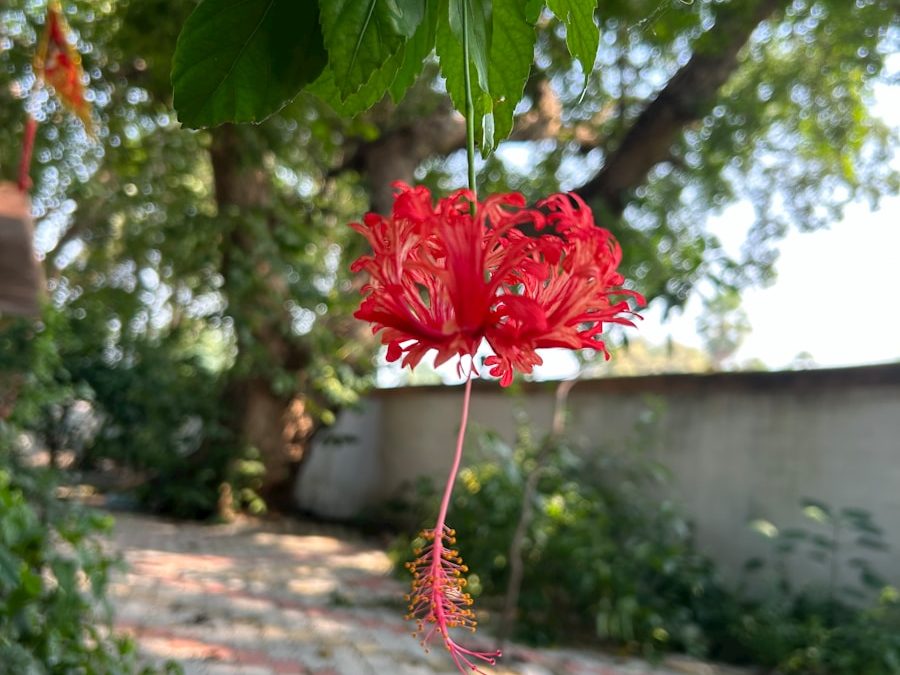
(609, 556)
(723, 325)
(640, 357)
(600, 557)
(54, 570)
(845, 621)
(178, 442)
(53, 580)
(81, 402)
(157, 285)
(836, 540)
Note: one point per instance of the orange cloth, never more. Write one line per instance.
(58, 64)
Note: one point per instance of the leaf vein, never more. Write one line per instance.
(244, 46)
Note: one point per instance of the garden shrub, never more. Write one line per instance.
(160, 417)
(153, 410)
(54, 577)
(54, 571)
(609, 558)
(837, 626)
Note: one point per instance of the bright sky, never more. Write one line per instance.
(835, 295)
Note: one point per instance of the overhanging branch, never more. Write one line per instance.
(685, 99)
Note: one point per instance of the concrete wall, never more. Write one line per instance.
(741, 446)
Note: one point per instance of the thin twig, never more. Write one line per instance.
(516, 563)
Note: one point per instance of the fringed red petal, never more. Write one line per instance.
(442, 279)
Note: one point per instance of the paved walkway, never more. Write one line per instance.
(292, 598)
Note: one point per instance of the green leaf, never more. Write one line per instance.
(31, 582)
(533, 9)
(794, 534)
(823, 542)
(415, 52)
(510, 57)
(411, 13)
(449, 52)
(9, 571)
(512, 54)
(871, 580)
(582, 34)
(242, 60)
(765, 527)
(872, 543)
(65, 572)
(479, 27)
(754, 564)
(362, 35)
(365, 97)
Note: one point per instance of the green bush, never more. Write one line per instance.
(836, 626)
(600, 558)
(54, 576)
(154, 405)
(54, 572)
(160, 417)
(608, 557)
(808, 635)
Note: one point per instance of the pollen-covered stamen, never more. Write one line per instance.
(439, 597)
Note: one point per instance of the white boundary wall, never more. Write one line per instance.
(741, 446)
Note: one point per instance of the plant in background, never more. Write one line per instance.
(605, 554)
(54, 570)
(599, 558)
(53, 573)
(830, 541)
(835, 625)
(54, 578)
(178, 446)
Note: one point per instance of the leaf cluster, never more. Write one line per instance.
(154, 412)
(240, 61)
(54, 570)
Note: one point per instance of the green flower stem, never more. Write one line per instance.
(470, 104)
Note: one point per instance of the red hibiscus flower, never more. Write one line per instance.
(443, 279)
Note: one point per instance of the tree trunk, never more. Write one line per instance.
(397, 153)
(259, 416)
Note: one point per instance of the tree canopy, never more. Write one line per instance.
(223, 251)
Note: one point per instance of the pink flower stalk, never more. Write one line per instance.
(446, 276)
(438, 601)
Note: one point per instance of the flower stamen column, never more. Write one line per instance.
(438, 593)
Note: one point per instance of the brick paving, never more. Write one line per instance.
(293, 599)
